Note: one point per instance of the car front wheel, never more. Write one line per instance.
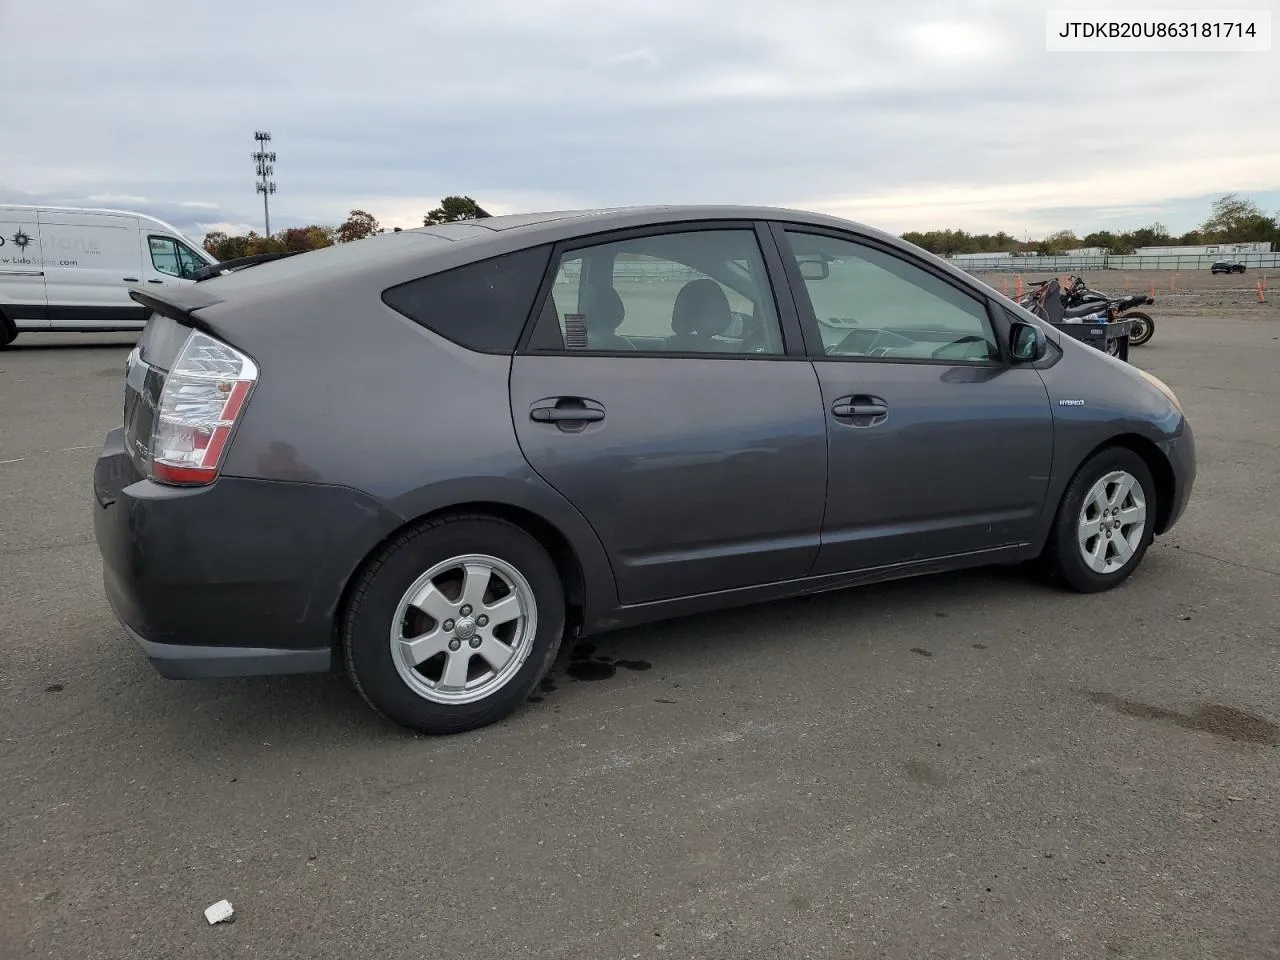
(454, 623)
(1104, 523)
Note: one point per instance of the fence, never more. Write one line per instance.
(1130, 262)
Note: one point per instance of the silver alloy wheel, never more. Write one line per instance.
(1112, 521)
(463, 629)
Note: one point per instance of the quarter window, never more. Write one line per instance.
(701, 292)
(873, 305)
(483, 306)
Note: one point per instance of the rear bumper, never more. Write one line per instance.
(179, 661)
(242, 577)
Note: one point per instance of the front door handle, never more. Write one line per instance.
(129, 279)
(571, 414)
(562, 414)
(155, 281)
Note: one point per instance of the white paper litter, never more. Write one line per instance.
(219, 912)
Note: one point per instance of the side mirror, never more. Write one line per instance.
(814, 269)
(1027, 342)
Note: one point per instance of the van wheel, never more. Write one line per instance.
(1105, 522)
(454, 623)
(8, 332)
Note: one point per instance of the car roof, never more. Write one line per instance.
(379, 262)
(382, 257)
(597, 220)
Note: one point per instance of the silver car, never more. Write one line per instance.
(429, 456)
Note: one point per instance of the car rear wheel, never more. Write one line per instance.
(454, 623)
(1105, 522)
(8, 332)
(1143, 328)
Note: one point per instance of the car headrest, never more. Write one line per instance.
(605, 310)
(702, 308)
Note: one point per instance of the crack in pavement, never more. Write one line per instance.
(1234, 563)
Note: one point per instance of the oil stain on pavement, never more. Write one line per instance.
(1228, 722)
(585, 665)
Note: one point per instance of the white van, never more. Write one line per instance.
(70, 269)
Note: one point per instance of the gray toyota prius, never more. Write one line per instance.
(431, 455)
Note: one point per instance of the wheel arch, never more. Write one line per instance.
(584, 586)
(1157, 462)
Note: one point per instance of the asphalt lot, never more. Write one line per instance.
(961, 766)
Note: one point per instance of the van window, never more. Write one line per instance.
(174, 258)
(190, 260)
(164, 255)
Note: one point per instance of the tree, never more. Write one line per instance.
(213, 241)
(358, 225)
(298, 239)
(453, 209)
(1104, 239)
(294, 239)
(1157, 234)
(1057, 244)
(1237, 220)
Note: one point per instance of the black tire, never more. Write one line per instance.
(366, 628)
(8, 332)
(1144, 330)
(1062, 558)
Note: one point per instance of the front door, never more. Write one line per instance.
(657, 394)
(938, 447)
(168, 262)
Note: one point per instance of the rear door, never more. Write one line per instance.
(665, 393)
(91, 259)
(22, 289)
(938, 446)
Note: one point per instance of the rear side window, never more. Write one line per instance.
(482, 306)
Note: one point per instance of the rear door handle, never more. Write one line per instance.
(155, 281)
(859, 410)
(862, 411)
(129, 279)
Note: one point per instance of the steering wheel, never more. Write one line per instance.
(866, 341)
(942, 354)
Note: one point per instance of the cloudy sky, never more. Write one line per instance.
(907, 114)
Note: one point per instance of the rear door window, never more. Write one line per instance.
(482, 306)
(686, 292)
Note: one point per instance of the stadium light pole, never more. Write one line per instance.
(264, 161)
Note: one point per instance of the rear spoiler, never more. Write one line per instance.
(239, 263)
(178, 303)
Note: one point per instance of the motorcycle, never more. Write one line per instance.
(1094, 318)
(1144, 327)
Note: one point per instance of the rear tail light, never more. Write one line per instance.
(204, 392)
